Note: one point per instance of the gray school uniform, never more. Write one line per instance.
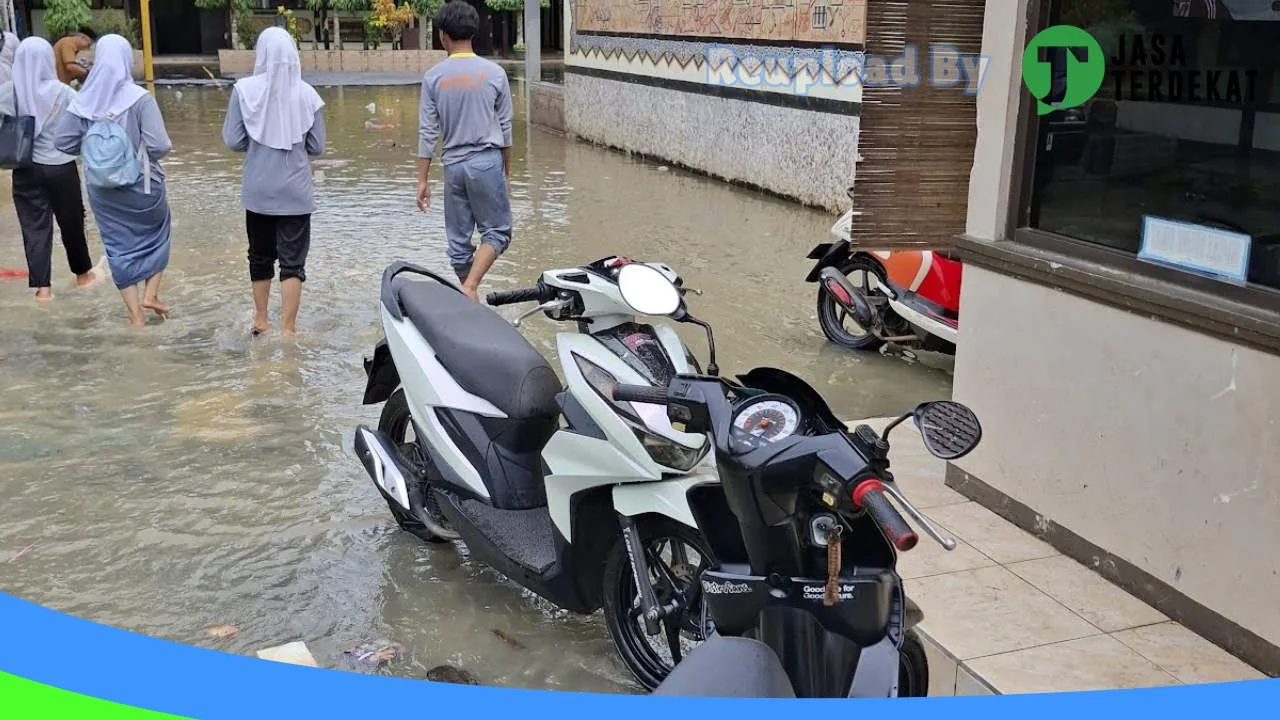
(466, 104)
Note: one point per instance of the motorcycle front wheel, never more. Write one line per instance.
(913, 667)
(676, 556)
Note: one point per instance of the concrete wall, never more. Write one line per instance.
(546, 105)
(672, 97)
(1156, 443)
(1153, 442)
(240, 62)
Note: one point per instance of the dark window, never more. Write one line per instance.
(1186, 127)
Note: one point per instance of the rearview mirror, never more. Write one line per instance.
(647, 290)
(949, 429)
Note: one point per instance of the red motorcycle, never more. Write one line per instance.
(868, 296)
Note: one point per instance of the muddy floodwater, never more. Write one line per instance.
(182, 476)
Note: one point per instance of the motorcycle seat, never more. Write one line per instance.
(486, 355)
(729, 667)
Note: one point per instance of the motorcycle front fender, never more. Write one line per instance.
(828, 255)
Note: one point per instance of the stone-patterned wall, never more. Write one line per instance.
(806, 155)
(762, 92)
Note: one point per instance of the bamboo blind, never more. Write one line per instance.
(912, 184)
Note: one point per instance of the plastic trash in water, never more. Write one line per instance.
(374, 655)
(6, 272)
(372, 108)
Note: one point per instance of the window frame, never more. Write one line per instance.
(1191, 292)
(1248, 316)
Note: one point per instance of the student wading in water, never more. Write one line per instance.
(466, 101)
(274, 118)
(50, 189)
(117, 126)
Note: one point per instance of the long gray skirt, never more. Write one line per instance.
(135, 231)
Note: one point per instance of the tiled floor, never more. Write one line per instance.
(1005, 613)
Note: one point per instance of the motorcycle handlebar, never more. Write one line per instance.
(509, 297)
(640, 393)
(869, 495)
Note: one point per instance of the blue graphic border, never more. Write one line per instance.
(80, 656)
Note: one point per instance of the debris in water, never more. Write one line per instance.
(375, 655)
(371, 107)
(22, 552)
(371, 125)
(663, 168)
(222, 632)
(451, 674)
(177, 95)
(330, 162)
(508, 639)
(294, 653)
(81, 409)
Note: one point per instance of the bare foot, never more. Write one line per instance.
(89, 279)
(471, 292)
(137, 322)
(44, 295)
(289, 331)
(157, 307)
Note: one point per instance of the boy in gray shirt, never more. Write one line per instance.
(466, 103)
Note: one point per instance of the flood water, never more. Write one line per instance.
(180, 476)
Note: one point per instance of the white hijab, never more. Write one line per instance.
(109, 90)
(7, 53)
(277, 106)
(35, 82)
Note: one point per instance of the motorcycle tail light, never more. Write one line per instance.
(661, 450)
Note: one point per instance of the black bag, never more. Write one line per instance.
(17, 138)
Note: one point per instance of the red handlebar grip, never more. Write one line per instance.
(869, 494)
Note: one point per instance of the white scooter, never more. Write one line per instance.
(560, 488)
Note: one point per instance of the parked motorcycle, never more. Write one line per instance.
(560, 487)
(868, 297)
(804, 596)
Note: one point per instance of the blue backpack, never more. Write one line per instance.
(110, 160)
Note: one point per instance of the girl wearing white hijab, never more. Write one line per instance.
(134, 221)
(8, 50)
(274, 118)
(50, 189)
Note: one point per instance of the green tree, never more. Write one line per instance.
(512, 5)
(63, 17)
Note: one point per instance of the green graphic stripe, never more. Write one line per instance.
(22, 699)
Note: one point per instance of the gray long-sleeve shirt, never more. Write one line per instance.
(275, 182)
(466, 103)
(142, 122)
(43, 151)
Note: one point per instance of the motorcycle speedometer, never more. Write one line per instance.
(769, 418)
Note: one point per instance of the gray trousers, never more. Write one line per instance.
(475, 198)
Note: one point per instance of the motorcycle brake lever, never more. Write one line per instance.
(544, 307)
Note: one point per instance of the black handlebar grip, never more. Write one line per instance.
(640, 393)
(508, 297)
(869, 494)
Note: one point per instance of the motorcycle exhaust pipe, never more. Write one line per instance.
(382, 461)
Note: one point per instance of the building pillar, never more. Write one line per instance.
(532, 41)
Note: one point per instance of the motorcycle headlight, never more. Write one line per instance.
(661, 450)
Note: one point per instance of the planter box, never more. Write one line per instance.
(240, 62)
